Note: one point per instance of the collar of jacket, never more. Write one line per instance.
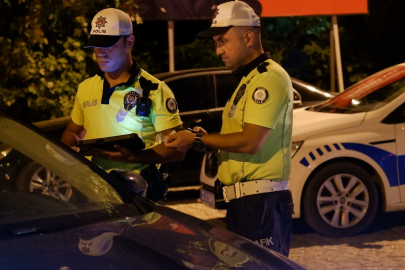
(243, 71)
(134, 74)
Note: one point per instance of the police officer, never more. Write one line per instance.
(255, 139)
(122, 99)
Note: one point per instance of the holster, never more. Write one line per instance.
(157, 183)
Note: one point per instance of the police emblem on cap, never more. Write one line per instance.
(214, 21)
(130, 100)
(260, 95)
(171, 105)
(101, 22)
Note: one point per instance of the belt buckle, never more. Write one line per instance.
(224, 193)
(237, 190)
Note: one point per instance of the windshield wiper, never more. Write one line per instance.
(24, 231)
(33, 230)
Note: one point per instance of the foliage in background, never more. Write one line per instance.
(42, 59)
(300, 44)
(186, 56)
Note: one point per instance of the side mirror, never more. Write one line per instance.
(132, 180)
(297, 103)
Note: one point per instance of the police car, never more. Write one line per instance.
(348, 158)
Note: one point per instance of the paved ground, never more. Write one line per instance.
(381, 247)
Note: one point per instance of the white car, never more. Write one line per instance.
(348, 157)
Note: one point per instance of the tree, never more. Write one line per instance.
(43, 60)
(42, 54)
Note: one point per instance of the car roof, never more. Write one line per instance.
(55, 123)
(168, 76)
(212, 70)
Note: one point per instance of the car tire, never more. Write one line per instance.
(340, 200)
(37, 179)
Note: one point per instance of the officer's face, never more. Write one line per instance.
(114, 58)
(232, 48)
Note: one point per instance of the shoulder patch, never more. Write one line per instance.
(130, 100)
(171, 105)
(262, 67)
(260, 95)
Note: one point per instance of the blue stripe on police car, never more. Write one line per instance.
(386, 160)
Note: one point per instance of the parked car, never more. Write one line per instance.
(106, 223)
(201, 95)
(19, 173)
(348, 156)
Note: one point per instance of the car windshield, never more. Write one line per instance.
(369, 94)
(47, 186)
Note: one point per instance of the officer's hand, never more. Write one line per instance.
(122, 154)
(200, 130)
(181, 141)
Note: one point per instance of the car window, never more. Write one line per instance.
(369, 94)
(225, 86)
(396, 117)
(41, 179)
(193, 93)
(309, 92)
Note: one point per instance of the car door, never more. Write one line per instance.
(195, 96)
(397, 117)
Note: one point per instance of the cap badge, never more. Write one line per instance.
(214, 21)
(101, 22)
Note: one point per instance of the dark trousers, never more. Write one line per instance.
(264, 218)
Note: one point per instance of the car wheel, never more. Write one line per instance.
(37, 179)
(340, 200)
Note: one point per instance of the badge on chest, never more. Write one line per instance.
(239, 95)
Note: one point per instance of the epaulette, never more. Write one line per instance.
(147, 85)
(262, 67)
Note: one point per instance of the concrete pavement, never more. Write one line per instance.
(380, 248)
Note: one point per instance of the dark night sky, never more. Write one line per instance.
(377, 38)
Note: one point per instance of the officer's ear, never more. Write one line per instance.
(130, 41)
(249, 37)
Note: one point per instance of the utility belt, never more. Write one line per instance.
(158, 183)
(251, 187)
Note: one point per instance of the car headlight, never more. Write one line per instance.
(295, 146)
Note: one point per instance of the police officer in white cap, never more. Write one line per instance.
(122, 99)
(255, 140)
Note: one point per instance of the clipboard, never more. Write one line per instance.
(130, 141)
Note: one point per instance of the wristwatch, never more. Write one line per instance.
(198, 145)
